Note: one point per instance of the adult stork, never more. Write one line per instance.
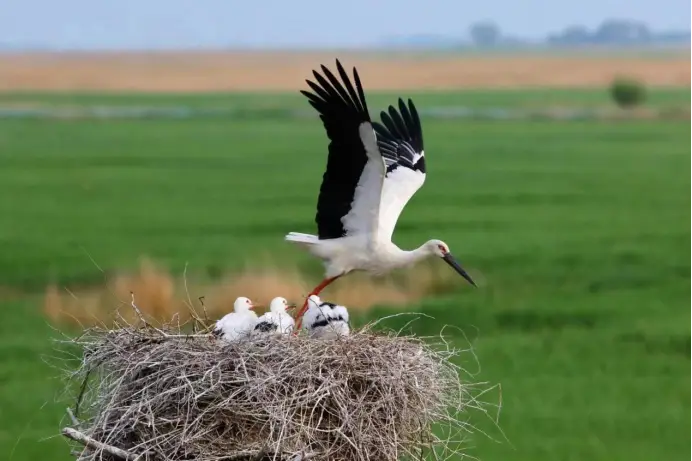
(373, 169)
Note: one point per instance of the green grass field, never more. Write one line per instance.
(579, 232)
(670, 97)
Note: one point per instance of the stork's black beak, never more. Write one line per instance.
(449, 259)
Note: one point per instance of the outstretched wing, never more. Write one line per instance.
(400, 141)
(348, 202)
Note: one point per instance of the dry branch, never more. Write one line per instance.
(96, 445)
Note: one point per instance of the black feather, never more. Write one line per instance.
(342, 109)
(326, 321)
(338, 87)
(319, 323)
(328, 304)
(265, 327)
(400, 137)
(355, 100)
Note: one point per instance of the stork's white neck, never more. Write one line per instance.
(403, 258)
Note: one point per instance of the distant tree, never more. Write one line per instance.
(610, 32)
(572, 35)
(485, 34)
(627, 92)
(619, 31)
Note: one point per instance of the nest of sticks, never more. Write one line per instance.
(158, 393)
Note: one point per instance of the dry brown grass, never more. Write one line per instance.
(160, 294)
(261, 71)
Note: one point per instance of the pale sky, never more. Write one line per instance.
(155, 24)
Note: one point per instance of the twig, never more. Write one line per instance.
(134, 306)
(96, 445)
(141, 316)
(204, 308)
(303, 456)
(196, 319)
(74, 419)
(260, 454)
(82, 390)
(256, 454)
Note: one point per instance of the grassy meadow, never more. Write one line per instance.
(578, 233)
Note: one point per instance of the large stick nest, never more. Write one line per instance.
(164, 394)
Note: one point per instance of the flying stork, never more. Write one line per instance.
(373, 170)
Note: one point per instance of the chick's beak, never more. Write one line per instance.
(449, 259)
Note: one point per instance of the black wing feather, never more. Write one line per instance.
(328, 304)
(355, 99)
(415, 125)
(265, 327)
(319, 323)
(338, 87)
(321, 94)
(400, 137)
(342, 109)
(405, 115)
(399, 123)
(390, 125)
(331, 92)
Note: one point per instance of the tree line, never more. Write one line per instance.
(609, 32)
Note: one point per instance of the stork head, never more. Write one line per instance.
(280, 304)
(441, 249)
(243, 304)
(314, 300)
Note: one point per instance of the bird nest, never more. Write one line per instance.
(157, 393)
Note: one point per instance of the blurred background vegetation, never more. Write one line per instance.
(567, 198)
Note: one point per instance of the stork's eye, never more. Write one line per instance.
(442, 249)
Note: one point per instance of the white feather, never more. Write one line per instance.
(236, 325)
(277, 320)
(341, 311)
(318, 314)
(313, 311)
(363, 216)
(305, 239)
(333, 330)
(399, 186)
(281, 322)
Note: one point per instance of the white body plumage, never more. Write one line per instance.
(325, 320)
(239, 323)
(277, 320)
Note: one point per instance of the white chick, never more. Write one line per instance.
(238, 323)
(277, 320)
(325, 319)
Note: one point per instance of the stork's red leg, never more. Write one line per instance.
(316, 292)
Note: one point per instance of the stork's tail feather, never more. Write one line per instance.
(305, 239)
